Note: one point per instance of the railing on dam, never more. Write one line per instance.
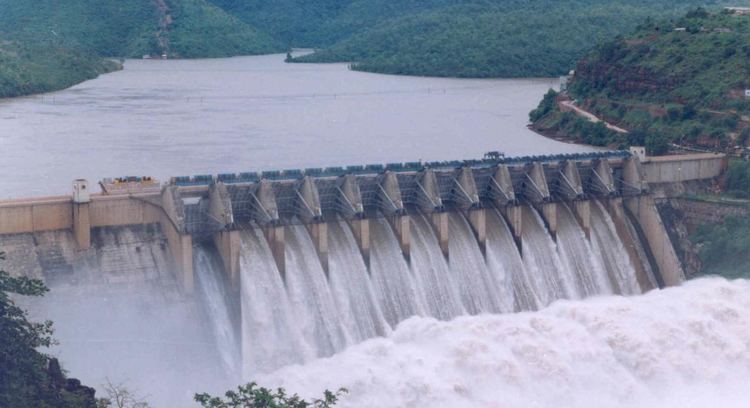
(373, 169)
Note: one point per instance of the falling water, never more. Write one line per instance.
(503, 258)
(575, 251)
(215, 297)
(393, 282)
(270, 334)
(642, 255)
(440, 292)
(350, 283)
(310, 296)
(551, 278)
(479, 290)
(606, 242)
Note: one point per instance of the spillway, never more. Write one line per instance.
(579, 257)
(352, 290)
(605, 242)
(552, 279)
(307, 312)
(439, 289)
(503, 257)
(480, 291)
(394, 283)
(310, 295)
(271, 337)
(216, 300)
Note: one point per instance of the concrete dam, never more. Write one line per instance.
(297, 264)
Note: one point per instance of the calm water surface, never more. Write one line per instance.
(166, 118)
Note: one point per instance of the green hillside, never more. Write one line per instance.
(132, 28)
(27, 68)
(677, 81)
(49, 47)
(476, 38)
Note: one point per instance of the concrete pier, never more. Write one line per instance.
(514, 217)
(478, 221)
(442, 231)
(401, 225)
(549, 215)
(582, 211)
(361, 231)
(82, 225)
(275, 237)
(229, 244)
(319, 235)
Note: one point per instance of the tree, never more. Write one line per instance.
(656, 144)
(118, 396)
(252, 396)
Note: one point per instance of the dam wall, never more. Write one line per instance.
(191, 210)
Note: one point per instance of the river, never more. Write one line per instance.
(183, 117)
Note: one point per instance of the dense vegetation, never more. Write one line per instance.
(46, 46)
(677, 81)
(725, 248)
(489, 38)
(27, 68)
(29, 378)
(469, 38)
(465, 38)
(252, 396)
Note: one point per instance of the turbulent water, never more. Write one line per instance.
(216, 298)
(308, 312)
(606, 243)
(681, 347)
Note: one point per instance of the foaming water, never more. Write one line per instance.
(479, 290)
(310, 296)
(271, 336)
(442, 298)
(680, 347)
(574, 249)
(215, 298)
(551, 279)
(503, 257)
(394, 284)
(355, 299)
(605, 241)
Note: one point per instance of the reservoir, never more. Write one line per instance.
(183, 117)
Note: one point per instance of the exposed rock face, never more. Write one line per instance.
(71, 391)
(623, 79)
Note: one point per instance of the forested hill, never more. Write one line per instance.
(679, 81)
(133, 28)
(466, 38)
(47, 45)
(461, 38)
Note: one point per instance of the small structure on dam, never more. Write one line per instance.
(208, 208)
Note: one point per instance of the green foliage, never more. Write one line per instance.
(677, 86)
(252, 396)
(656, 145)
(202, 30)
(479, 38)
(725, 247)
(132, 28)
(27, 68)
(545, 106)
(738, 178)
